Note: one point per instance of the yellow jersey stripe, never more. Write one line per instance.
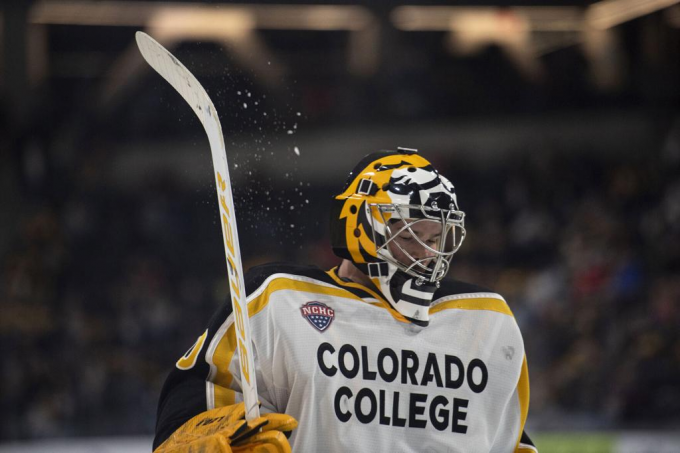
(223, 354)
(474, 303)
(523, 394)
(188, 360)
(224, 396)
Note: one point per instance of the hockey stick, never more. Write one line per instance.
(174, 72)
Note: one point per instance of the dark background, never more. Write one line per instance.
(558, 123)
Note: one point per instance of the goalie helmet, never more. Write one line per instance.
(398, 221)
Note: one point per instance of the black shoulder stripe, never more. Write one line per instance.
(526, 440)
(450, 287)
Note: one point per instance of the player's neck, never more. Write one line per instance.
(347, 270)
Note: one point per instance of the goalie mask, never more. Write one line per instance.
(398, 221)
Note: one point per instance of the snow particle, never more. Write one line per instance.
(297, 150)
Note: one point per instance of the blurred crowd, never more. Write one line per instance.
(102, 289)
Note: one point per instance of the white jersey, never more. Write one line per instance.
(358, 377)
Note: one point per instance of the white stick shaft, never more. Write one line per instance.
(172, 70)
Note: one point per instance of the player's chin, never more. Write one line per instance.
(422, 268)
(427, 264)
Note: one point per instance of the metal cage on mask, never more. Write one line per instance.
(391, 221)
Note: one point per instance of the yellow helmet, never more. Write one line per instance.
(386, 196)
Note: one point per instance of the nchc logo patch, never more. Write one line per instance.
(319, 315)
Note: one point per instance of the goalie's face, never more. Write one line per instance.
(420, 247)
(417, 243)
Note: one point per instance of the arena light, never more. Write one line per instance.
(462, 18)
(202, 23)
(168, 19)
(313, 17)
(123, 13)
(128, 13)
(610, 13)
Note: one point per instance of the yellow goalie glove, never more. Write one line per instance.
(225, 430)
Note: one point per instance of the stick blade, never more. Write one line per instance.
(177, 75)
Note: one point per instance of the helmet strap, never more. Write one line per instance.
(379, 269)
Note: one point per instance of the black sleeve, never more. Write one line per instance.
(183, 395)
(526, 440)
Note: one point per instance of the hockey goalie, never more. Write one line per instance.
(382, 353)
